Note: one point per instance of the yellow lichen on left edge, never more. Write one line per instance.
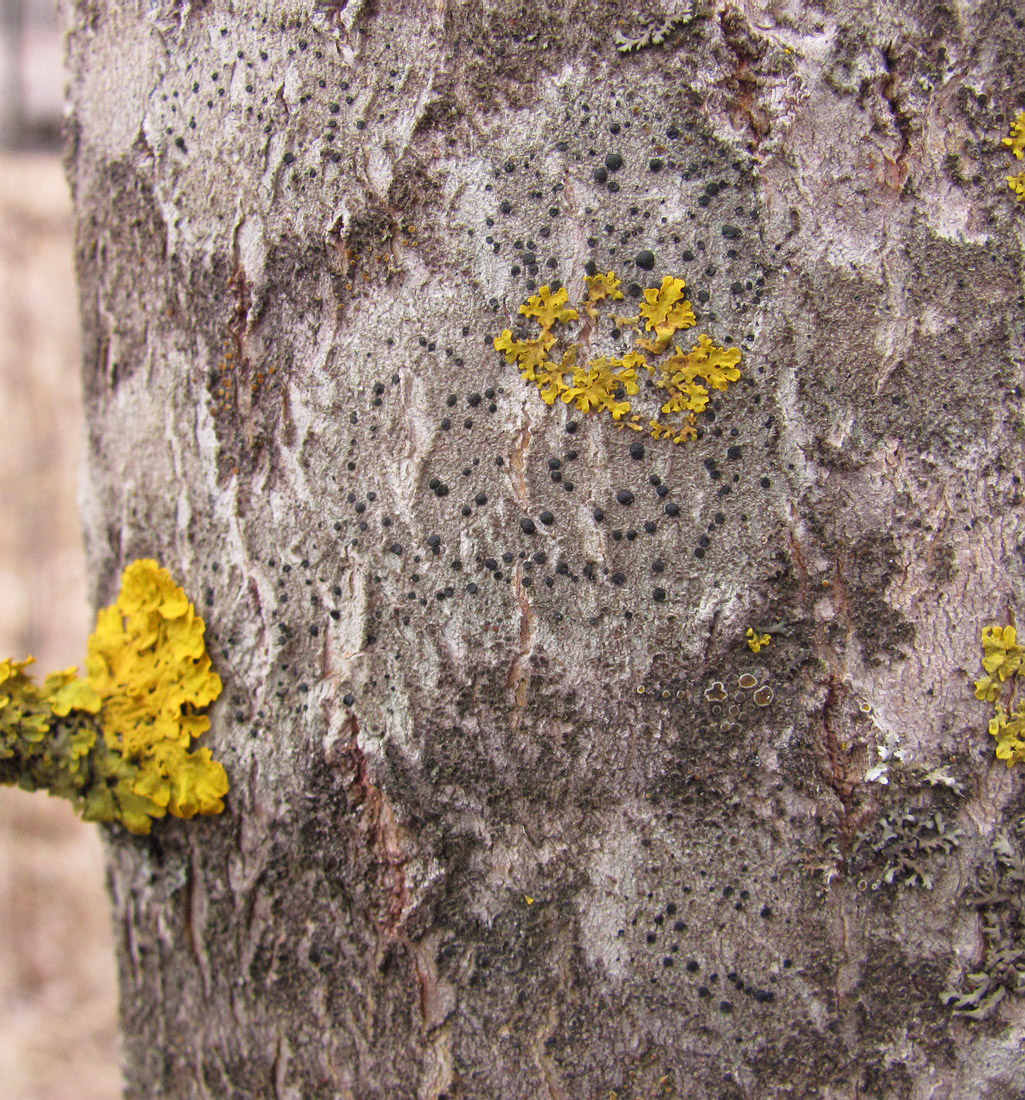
(117, 743)
(148, 663)
(1002, 660)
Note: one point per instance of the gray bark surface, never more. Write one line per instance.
(503, 824)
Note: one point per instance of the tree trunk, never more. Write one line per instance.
(516, 810)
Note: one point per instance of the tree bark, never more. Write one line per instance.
(522, 815)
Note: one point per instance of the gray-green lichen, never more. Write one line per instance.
(999, 899)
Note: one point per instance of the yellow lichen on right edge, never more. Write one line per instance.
(1002, 660)
(1016, 139)
(1016, 142)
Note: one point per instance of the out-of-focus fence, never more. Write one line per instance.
(31, 86)
(57, 988)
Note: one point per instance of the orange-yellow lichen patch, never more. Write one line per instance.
(148, 663)
(549, 308)
(1016, 143)
(600, 287)
(117, 743)
(1016, 139)
(1002, 660)
(554, 360)
(1017, 185)
(665, 310)
(757, 642)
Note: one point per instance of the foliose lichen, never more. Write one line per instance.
(653, 31)
(757, 641)
(116, 743)
(1002, 658)
(901, 848)
(558, 367)
(998, 899)
(908, 824)
(1016, 142)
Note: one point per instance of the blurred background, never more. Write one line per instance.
(58, 1003)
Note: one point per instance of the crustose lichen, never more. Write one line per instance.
(117, 742)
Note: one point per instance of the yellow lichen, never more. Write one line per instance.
(117, 742)
(556, 365)
(1016, 142)
(148, 662)
(666, 311)
(549, 308)
(757, 642)
(603, 286)
(1009, 730)
(1016, 139)
(1001, 654)
(1002, 660)
(1017, 185)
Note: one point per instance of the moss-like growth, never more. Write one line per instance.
(902, 847)
(116, 744)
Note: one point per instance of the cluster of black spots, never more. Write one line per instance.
(668, 940)
(306, 604)
(211, 90)
(631, 221)
(654, 201)
(368, 515)
(645, 226)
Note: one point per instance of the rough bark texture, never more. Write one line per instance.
(495, 830)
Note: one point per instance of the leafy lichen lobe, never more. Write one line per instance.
(116, 743)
